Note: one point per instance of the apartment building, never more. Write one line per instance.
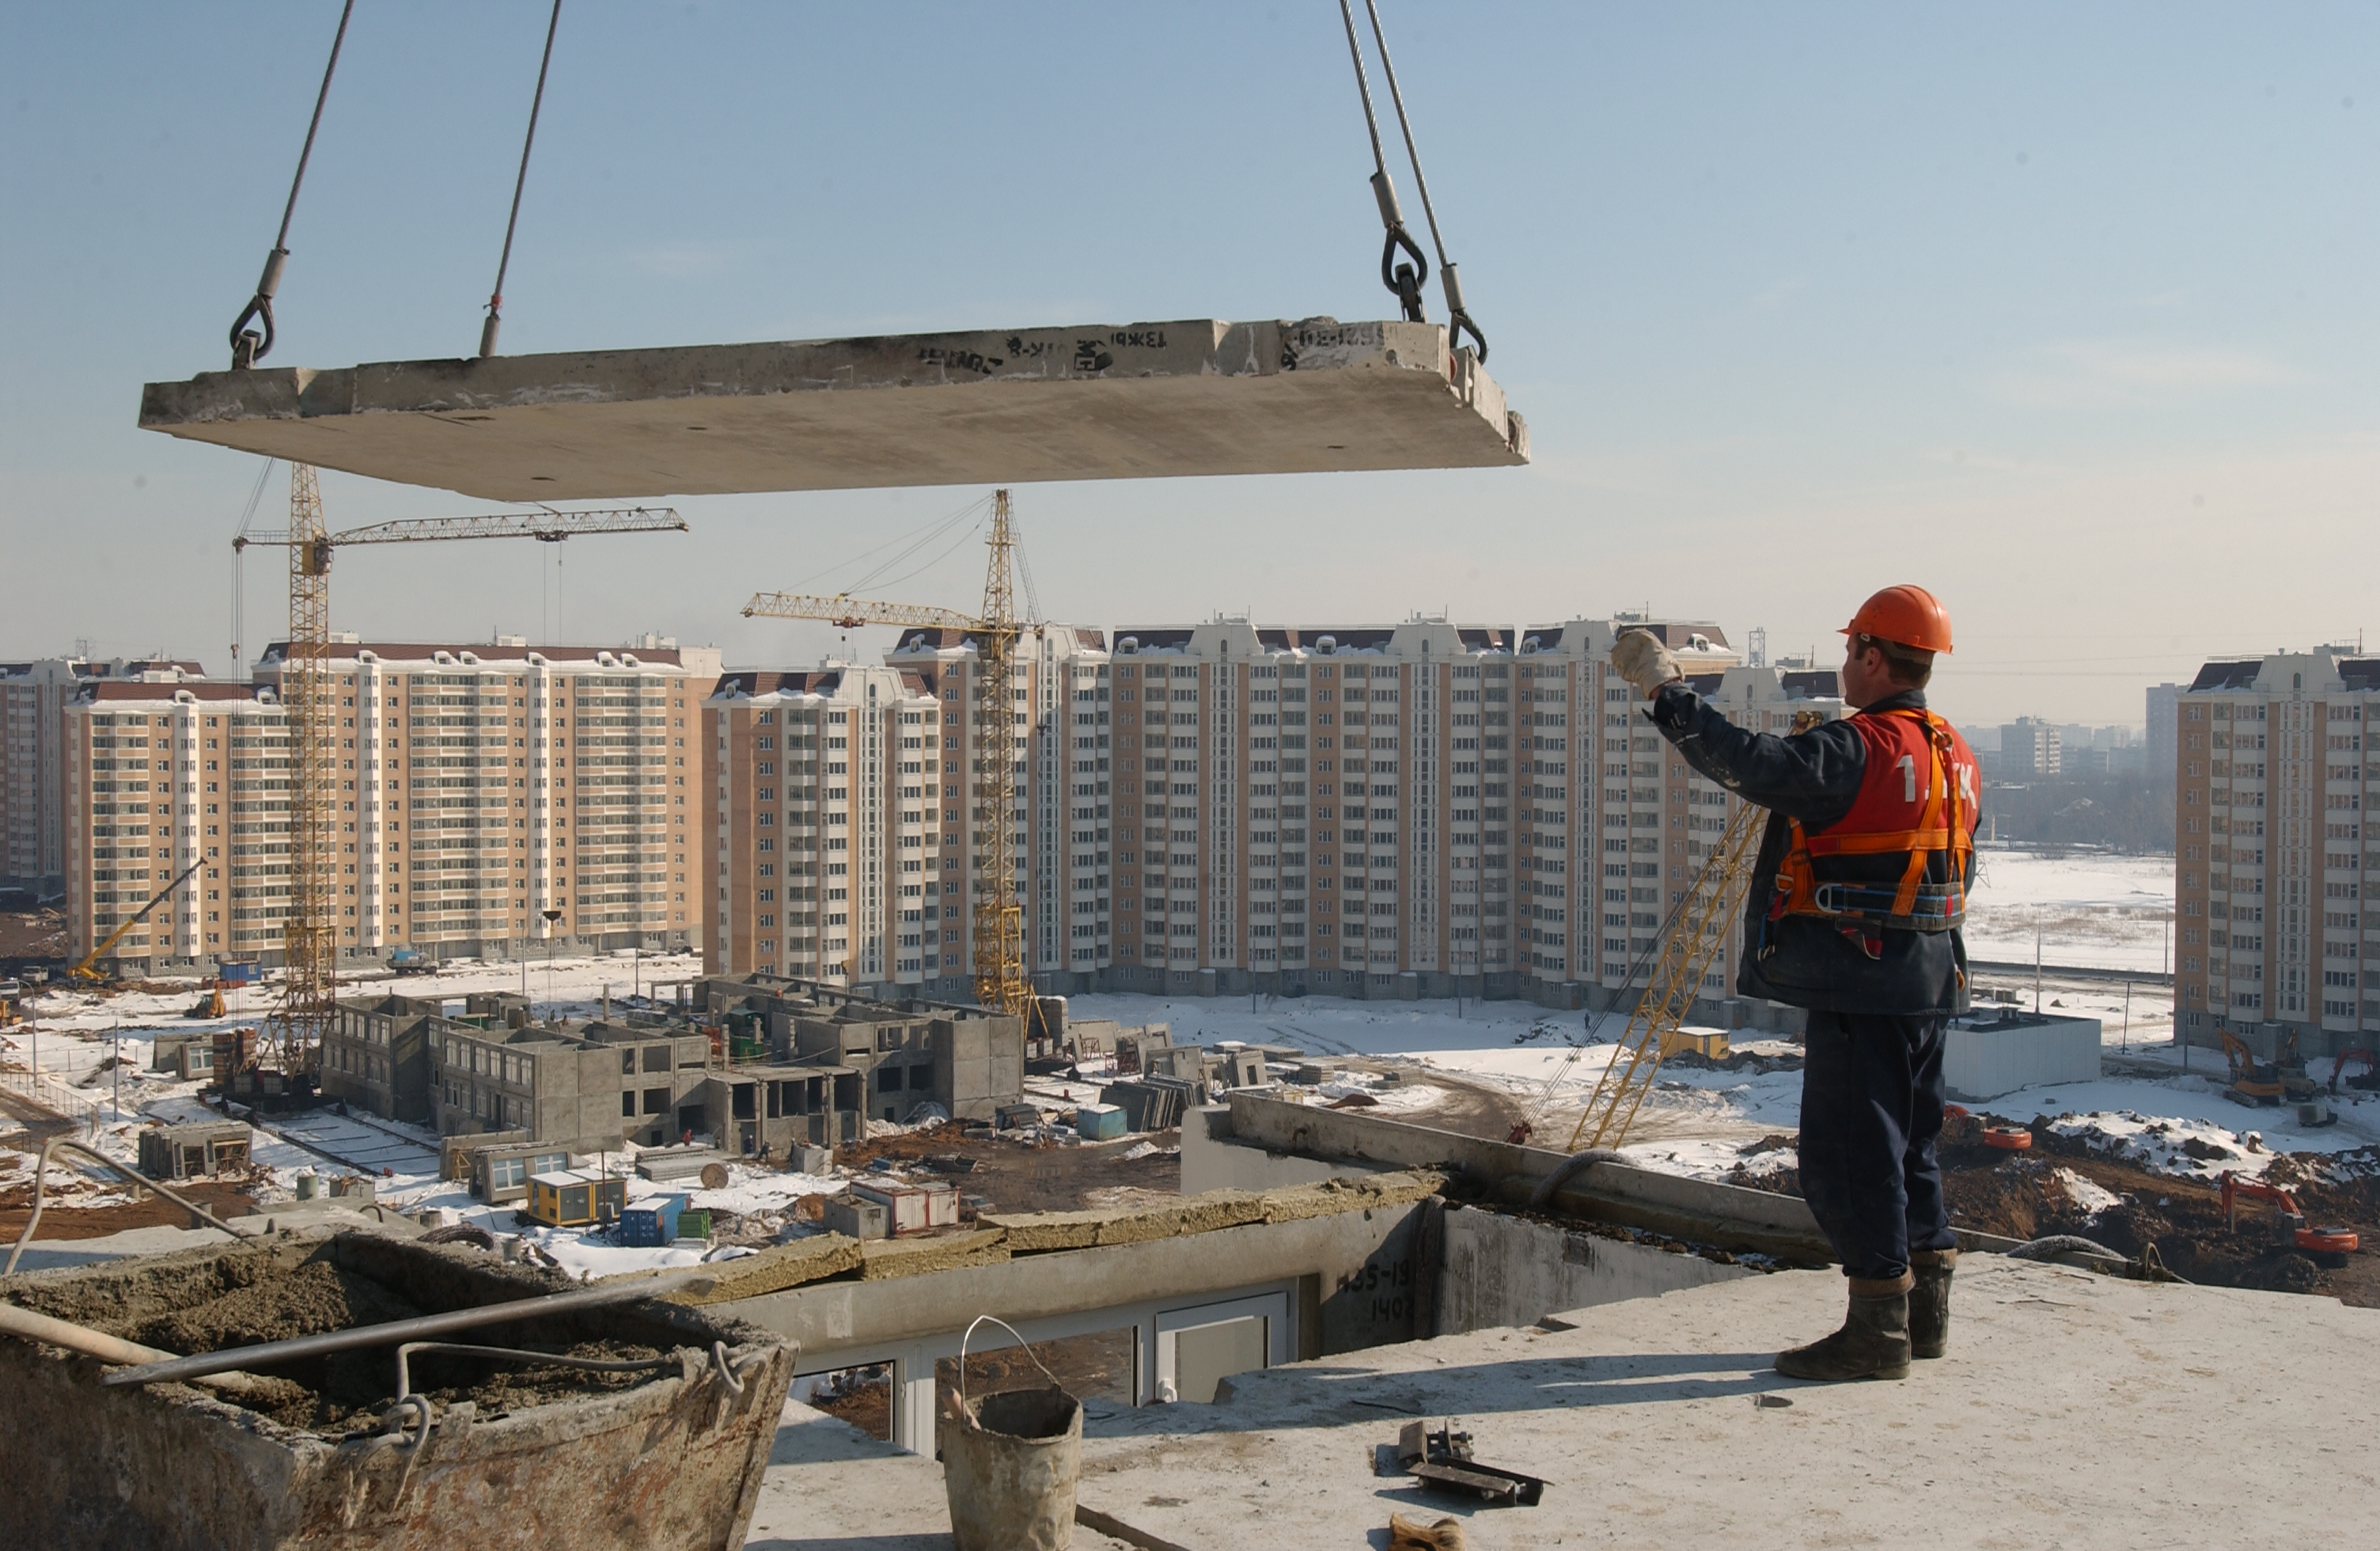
(1383, 810)
(1396, 810)
(848, 842)
(2164, 713)
(33, 697)
(827, 856)
(157, 775)
(496, 795)
(2031, 749)
(2275, 774)
(487, 798)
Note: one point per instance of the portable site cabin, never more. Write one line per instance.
(501, 1173)
(651, 1224)
(573, 1198)
(911, 1208)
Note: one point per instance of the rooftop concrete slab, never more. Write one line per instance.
(2073, 1410)
(1198, 396)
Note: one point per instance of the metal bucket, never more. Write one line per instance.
(1010, 1462)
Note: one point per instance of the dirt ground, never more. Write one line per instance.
(2019, 1195)
(33, 934)
(147, 1210)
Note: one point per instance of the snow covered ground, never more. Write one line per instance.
(2094, 910)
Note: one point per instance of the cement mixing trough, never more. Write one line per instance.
(1092, 402)
(516, 1454)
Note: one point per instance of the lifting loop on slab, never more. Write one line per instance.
(1405, 280)
(249, 347)
(1459, 320)
(496, 298)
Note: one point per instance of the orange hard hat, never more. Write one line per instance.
(1906, 615)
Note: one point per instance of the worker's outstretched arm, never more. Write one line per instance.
(1813, 776)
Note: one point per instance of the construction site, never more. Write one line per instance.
(610, 1097)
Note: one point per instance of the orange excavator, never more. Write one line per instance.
(2368, 1081)
(2327, 1246)
(2282, 1080)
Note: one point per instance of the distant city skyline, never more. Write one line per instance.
(1796, 304)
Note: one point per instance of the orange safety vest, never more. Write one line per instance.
(1904, 853)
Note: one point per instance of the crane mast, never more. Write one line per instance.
(292, 1038)
(999, 979)
(293, 1034)
(1001, 982)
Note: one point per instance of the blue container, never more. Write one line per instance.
(1099, 1122)
(236, 972)
(651, 1224)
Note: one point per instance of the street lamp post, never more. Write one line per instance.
(551, 915)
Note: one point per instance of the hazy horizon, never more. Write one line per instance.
(2064, 314)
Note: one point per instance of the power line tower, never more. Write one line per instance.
(1001, 982)
(291, 1039)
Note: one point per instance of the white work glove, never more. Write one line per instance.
(1639, 656)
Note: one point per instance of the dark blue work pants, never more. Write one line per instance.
(1871, 1109)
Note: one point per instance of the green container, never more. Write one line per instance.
(741, 1049)
(694, 1225)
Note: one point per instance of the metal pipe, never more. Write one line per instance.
(41, 1173)
(28, 1326)
(424, 1327)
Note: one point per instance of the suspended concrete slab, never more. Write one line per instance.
(1142, 401)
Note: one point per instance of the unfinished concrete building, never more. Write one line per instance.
(376, 1055)
(582, 1085)
(821, 1061)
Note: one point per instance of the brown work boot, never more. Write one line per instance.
(1929, 1302)
(1873, 1343)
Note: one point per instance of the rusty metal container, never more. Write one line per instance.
(517, 1455)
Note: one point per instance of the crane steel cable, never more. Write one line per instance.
(536, 103)
(1458, 320)
(1405, 280)
(248, 347)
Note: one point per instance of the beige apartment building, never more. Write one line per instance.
(846, 838)
(1385, 811)
(33, 697)
(476, 788)
(2275, 778)
(1404, 810)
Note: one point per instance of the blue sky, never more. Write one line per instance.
(2063, 311)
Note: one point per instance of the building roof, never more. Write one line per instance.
(818, 683)
(486, 654)
(2239, 674)
(125, 694)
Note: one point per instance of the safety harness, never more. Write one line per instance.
(1861, 909)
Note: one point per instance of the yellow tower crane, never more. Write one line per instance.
(1696, 933)
(1000, 978)
(292, 1041)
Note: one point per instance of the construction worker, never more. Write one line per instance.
(1854, 914)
